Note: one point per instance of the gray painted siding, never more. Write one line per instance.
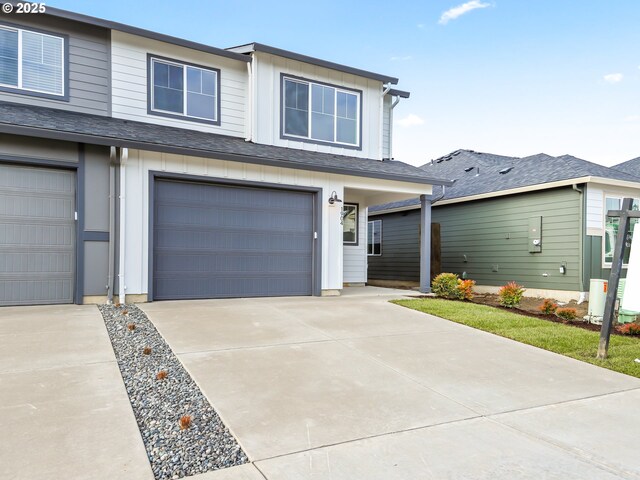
(480, 229)
(89, 69)
(400, 259)
(41, 149)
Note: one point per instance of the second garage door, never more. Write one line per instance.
(216, 241)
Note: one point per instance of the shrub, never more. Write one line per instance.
(146, 350)
(630, 329)
(161, 375)
(464, 289)
(131, 326)
(548, 307)
(510, 294)
(445, 285)
(567, 313)
(185, 422)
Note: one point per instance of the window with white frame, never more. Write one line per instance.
(374, 237)
(32, 61)
(183, 90)
(611, 228)
(320, 113)
(350, 224)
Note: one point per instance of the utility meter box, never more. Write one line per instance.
(535, 235)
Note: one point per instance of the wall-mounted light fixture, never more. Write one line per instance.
(563, 268)
(334, 198)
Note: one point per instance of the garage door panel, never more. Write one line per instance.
(37, 235)
(216, 241)
(224, 241)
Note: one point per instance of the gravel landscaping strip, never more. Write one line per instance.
(158, 405)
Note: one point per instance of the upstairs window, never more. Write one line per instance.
(611, 228)
(320, 113)
(184, 91)
(32, 62)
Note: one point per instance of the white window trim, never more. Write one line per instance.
(337, 89)
(355, 242)
(606, 196)
(184, 67)
(62, 59)
(374, 254)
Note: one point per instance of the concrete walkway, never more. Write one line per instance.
(64, 411)
(353, 387)
(348, 387)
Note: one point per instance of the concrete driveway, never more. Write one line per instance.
(348, 387)
(353, 387)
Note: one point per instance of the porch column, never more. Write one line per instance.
(425, 244)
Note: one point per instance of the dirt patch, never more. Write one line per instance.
(530, 304)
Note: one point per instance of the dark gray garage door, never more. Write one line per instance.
(215, 241)
(37, 235)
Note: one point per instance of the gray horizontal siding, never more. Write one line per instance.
(89, 74)
(489, 233)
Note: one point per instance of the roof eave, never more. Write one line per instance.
(108, 24)
(178, 150)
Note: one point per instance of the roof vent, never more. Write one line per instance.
(505, 170)
(468, 169)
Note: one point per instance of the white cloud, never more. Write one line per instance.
(410, 120)
(613, 78)
(401, 59)
(456, 12)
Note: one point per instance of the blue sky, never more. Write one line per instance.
(513, 77)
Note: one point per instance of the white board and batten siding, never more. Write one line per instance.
(137, 219)
(355, 256)
(129, 83)
(596, 195)
(267, 90)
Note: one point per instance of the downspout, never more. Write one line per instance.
(249, 115)
(381, 117)
(113, 160)
(393, 105)
(124, 154)
(583, 290)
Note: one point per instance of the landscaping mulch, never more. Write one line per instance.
(159, 404)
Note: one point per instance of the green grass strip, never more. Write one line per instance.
(567, 340)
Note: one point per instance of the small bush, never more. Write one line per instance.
(548, 307)
(185, 422)
(630, 329)
(161, 375)
(131, 326)
(146, 350)
(445, 285)
(464, 289)
(510, 294)
(567, 313)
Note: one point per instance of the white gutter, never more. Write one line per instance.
(249, 114)
(122, 286)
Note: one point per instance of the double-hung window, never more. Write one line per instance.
(611, 228)
(32, 62)
(374, 237)
(320, 113)
(184, 90)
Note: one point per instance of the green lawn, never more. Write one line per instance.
(571, 341)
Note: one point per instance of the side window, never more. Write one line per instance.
(611, 228)
(183, 91)
(350, 224)
(32, 62)
(374, 237)
(320, 113)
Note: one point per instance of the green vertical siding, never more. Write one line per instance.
(593, 261)
(490, 233)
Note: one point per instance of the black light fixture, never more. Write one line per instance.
(334, 198)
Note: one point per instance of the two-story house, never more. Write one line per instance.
(139, 164)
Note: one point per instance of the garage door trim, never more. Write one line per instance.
(79, 204)
(317, 217)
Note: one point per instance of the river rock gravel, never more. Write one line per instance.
(158, 405)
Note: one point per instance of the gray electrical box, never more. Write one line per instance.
(535, 235)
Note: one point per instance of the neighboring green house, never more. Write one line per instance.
(537, 220)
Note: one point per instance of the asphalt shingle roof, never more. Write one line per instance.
(632, 167)
(484, 174)
(49, 123)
